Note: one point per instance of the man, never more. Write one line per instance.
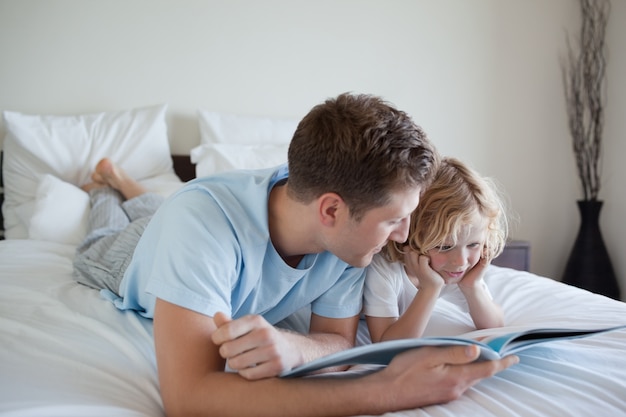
(228, 257)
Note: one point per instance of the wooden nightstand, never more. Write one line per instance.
(516, 255)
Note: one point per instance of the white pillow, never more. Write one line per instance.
(231, 141)
(69, 147)
(219, 157)
(61, 212)
(216, 127)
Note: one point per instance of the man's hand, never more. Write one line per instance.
(433, 375)
(253, 347)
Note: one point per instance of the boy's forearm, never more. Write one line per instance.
(414, 320)
(484, 311)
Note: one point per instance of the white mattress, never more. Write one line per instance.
(64, 351)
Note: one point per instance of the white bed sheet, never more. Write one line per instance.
(64, 351)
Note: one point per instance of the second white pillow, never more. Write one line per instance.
(217, 127)
(220, 157)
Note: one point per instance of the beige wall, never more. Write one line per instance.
(481, 76)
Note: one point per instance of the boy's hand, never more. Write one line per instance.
(419, 266)
(475, 275)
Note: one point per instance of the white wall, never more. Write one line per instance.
(482, 77)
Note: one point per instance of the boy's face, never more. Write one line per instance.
(357, 242)
(453, 260)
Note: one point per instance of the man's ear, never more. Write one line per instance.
(331, 208)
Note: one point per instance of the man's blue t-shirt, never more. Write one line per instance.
(208, 249)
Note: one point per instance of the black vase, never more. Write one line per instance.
(589, 265)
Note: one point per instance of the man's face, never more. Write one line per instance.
(357, 242)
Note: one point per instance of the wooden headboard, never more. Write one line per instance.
(183, 167)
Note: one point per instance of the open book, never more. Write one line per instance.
(491, 347)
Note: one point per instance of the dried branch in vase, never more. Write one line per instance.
(585, 92)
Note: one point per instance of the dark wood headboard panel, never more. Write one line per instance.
(183, 167)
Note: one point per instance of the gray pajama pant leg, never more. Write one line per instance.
(115, 227)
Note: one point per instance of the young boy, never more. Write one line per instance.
(459, 226)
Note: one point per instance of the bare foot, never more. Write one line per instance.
(107, 173)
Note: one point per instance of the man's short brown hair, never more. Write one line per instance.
(361, 148)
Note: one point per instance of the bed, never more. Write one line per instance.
(65, 351)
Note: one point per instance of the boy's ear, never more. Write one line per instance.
(331, 208)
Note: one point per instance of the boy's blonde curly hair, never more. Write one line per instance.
(456, 193)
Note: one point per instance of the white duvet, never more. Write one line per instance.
(64, 351)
